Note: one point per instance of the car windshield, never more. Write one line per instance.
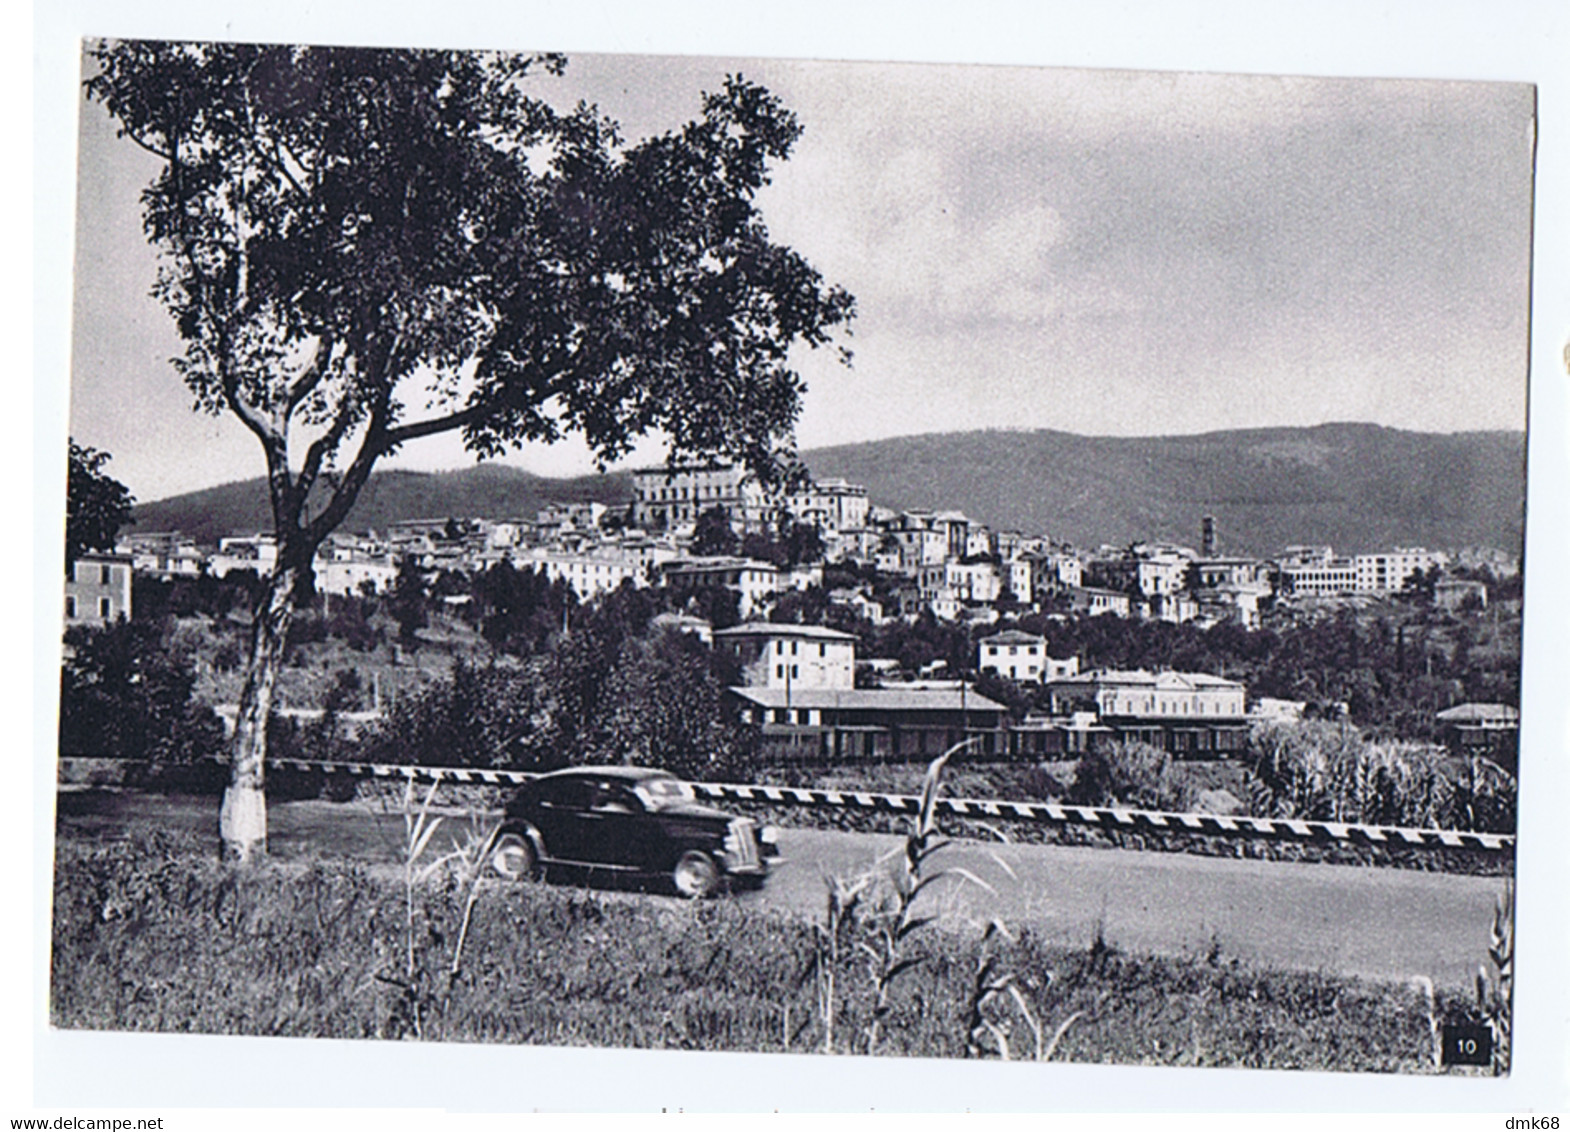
(662, 793)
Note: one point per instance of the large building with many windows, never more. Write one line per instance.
(892, 724)
(1388, 572)
(829, 505)
(755, 584)
(1182, 712)
(676, 495)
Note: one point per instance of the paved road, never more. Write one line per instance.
(1381, 923)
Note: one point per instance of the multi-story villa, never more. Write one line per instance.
(1021, 657)
(1388, 572)
(671, 496)
(831, 505)
(168, 554)
(790, 656)
(589, 572)
(249, 552)
(1319, 578)
(754, 583)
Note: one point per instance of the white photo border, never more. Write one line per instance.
(1503, 41)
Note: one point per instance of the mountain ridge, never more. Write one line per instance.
(1357, 487)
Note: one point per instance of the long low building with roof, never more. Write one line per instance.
(1187, 713)
(870, 724)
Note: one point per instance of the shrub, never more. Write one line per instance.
(124, 694)
(1126, 773)
(480, 715)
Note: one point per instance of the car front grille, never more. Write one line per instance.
(741, 844)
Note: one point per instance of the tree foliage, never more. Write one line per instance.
(407, 602)
(1127, 773)
(97, 505)
(125, 694)
(342, 229)
(362, 248)
(712, 534)
(663, 708)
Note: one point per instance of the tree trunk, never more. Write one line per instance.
(242, 819)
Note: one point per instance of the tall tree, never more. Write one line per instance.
(712, 534)
(361, 248)
(97, 505)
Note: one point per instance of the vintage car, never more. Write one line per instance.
(630, 820)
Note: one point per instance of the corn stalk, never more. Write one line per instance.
(888, 946)
(843, 899)
(1496, 992)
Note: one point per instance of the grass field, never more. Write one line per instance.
(152, 935)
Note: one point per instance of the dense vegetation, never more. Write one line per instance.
(158, 937)
(1357, 487)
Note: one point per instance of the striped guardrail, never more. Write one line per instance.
(1112, 818)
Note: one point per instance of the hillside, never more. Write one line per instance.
(490, 490)
(1355, 487)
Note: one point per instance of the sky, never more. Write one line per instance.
(1101, 252)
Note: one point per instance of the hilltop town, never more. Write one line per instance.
(814, 576)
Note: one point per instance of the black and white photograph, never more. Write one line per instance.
(847, 563)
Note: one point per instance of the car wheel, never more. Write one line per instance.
(696, 875)
(513, 858)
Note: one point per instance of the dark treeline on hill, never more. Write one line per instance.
(492, 491)
(1357, 487)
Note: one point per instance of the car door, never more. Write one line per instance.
(562, 815)
(613, 826)
(631, 836)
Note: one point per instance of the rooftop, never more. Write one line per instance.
(870, 699)
(1475, 713)
(772, 629)
(1139, 678)
(698, 565)
(1012, 637)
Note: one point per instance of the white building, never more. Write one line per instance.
(1150, 696)
(1020, 578)
(168, 554)
(1387, 572)
(1094, 601)
(590, 572)
(1321, 578)
(956, 531)
(1018, 656)
(920, 542)
(1054, 570)
(790, 656)
(977, 583)
(668, 497)
(1238, 602)
(250, 552)
(830, 505)
(1162, 574)
(754, 583)
(353, 574)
